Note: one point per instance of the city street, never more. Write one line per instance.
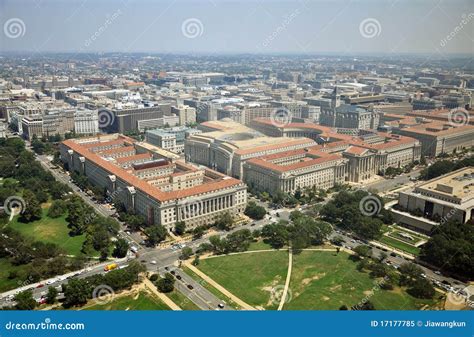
(162, 260)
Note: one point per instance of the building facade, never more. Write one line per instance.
(152, 184)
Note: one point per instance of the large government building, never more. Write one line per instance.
(296, 155)
(449, 197)
(153, 182)
(226, 145)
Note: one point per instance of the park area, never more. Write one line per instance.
(320, 280)
(52, 230)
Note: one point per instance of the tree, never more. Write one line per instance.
(156, 234)
(58, 208)
(121, 248)
(343, 307)
(25, 301)
(255, 211)
(276, 235)
(422, 288)
(196, 260)
(225, 221)
(198, 232)
(51, 295)
(363, 251)
(409, 273)
(32, 209)
(76, 292)
(451, 248)
(238, 241)
(166, 284)
(217, 244)
(382, 256)
(186, 253)
(180, 228)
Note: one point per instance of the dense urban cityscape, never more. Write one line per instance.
(237, 168)
(134, 181)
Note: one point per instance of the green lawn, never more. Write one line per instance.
(259, 245)
(399, 245)
(144, 301)
(251, 277)
(182, 301)
(50, 230)
(326, 281)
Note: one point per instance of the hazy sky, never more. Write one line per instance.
(239, 26)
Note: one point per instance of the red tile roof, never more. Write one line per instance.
(144, 186)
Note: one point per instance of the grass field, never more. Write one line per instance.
(50, 230)
(182, 301)
(326, 281)
(320, 281)
(399, 245)
(251, 277)
(142, 301)
(259, 245)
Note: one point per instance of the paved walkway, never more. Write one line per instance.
(216, 285)
(148, 284)
(287, 282)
